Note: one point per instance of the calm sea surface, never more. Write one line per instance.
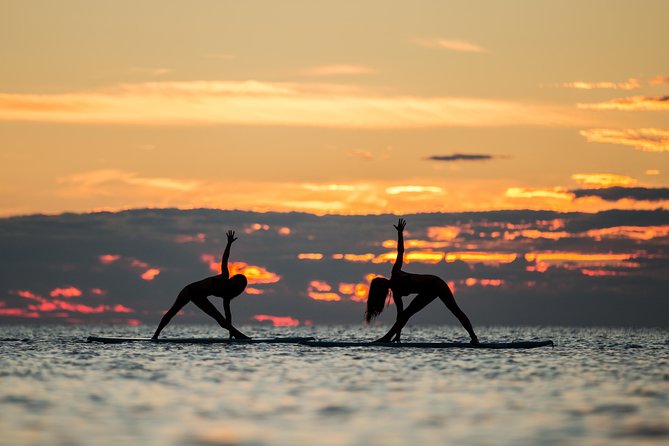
(597, 386)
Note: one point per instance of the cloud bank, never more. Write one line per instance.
(619, 193)
(506, 267)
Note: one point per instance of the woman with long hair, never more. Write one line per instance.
(427, 287)
(221, 285)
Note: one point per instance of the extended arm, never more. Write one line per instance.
(226, 254)
(401, 223)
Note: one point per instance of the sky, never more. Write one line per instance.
(336, 109)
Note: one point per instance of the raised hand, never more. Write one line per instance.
(231, 236)
(401, 223)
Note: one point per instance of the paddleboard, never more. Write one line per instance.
(489, 345)
(118, 340)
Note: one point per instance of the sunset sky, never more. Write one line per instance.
(333, 107)
(555, 112)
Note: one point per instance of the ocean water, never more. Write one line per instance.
(596, 386)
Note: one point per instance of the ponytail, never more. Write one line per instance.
(376, 299)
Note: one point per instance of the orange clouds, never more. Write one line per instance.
(194, 103)
(338, 70)
(461, 46)
(255, 227)
(570, 260)
(472, 281)
(659, 80)
(321, 290)
(603, 179)
(536, 234)
(491, 258)
(254, 274)
(310, 256)
(446, 233)
(630, 84)
(211, 261)
(632, 103)
(424, 256)
(647, 140)
(396, 190)
(630, 232)
(85, 181)
(319, 285)
(150, 274)
(364, 197)
(556, 256)
(413, 243)
(65, 292)
(357, 292)
(277, 321)
(526, 192)
(368, 257)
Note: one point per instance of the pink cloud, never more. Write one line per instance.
(18, 312)
(277, 321)
(138, 263)
(118, 308)
(107, 259)
(197, 238)
(28, 295)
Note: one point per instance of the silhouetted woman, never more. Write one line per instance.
(427, 287)
(221, 285)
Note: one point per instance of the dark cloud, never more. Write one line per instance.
(42, 253)
(461, 157)
(618, 193)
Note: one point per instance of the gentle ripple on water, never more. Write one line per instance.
(597, 386)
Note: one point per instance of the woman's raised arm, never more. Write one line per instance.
(226, 254)
(401, 223)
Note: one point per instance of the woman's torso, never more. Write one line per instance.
(403, 283)
(205, 287)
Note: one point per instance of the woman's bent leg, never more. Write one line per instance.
(182, 299)
(209, 308)
(418, 303)
(447, 298)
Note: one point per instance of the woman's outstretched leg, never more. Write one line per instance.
(447, 298)
(206, 306)
(182, 299)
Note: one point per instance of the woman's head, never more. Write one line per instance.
(234, 286)
(376, 299)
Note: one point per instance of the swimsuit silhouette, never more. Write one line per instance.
(221, 285)
(427, 287)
